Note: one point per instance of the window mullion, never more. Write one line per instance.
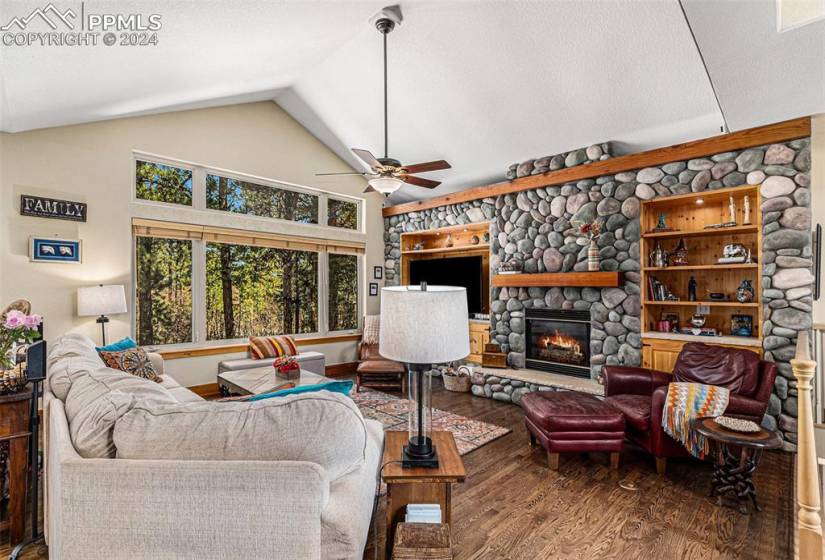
(199, 188)
(323, 292)
(198, 291)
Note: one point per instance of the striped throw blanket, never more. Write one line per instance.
(686, 401)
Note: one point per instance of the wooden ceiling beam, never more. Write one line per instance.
(779, 132)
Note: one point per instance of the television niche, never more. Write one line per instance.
(466, 272)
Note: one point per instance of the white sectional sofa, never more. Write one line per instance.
(310, 494)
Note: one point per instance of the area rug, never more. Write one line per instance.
(391, 411)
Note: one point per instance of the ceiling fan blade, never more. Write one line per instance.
(419, 182)
(367, 158)
(429, 166)
(369, 189)
(323, 174)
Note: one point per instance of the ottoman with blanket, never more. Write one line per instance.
(573, 422)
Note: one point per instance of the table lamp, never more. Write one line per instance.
(101, 301)
(420, 326)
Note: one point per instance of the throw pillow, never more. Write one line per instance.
(122, 344)
(262, 347)
(372, 329)
(343, 387)
(134, 361)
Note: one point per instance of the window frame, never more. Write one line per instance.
(148, 208)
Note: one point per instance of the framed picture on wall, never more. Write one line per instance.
(377, 272)
(373, 288)
(49, 249)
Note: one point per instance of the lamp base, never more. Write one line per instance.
(410, 459)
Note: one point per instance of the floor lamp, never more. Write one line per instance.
(101, 301)
(420, 326)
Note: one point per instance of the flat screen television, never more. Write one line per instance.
(452, 271)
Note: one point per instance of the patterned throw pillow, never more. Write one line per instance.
(261, 347)
(134, 361)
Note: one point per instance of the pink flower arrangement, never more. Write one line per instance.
(17, 327)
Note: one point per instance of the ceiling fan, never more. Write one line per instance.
(387, 174)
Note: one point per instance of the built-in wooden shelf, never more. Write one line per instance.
(722, 339)
(708, 303)
(734, 266)
(605, 279)
(446, 249)
(753, 228)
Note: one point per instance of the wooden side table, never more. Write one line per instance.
(14, 429)
(419, 485)
(732, 471)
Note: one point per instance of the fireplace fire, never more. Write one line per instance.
(558, 341)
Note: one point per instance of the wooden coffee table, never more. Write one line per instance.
(261, 380)
(419, 485)
(737, 455)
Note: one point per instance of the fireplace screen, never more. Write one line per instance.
(559, 341)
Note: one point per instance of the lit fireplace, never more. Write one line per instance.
(558, 341)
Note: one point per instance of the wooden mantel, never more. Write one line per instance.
(740, 140)
(560, 279)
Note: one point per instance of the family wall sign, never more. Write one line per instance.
(41, 207)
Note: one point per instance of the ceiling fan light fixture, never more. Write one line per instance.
(386, 185)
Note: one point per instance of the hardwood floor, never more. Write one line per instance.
(513, 507)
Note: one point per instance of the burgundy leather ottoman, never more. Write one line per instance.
(573, 422)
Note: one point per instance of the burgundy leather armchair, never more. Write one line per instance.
(639, 393)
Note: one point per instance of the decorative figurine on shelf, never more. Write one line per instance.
(449, 242)
(593, 230)
(418, 246)
(692, 289)
(658, 258)
(474, 240)
(697, 322)
(747, 218)
(486, 237)
(745, 293)
(732, 210)
(733, 253)
(661, 225)
(741, 325)
(679, 257)
(749, 259)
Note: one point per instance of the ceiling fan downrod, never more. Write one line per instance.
(385, 26)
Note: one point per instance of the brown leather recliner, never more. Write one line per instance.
(376, 371)
(639, 393)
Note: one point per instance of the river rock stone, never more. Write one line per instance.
(749, 160)
(645, 191)
(796, 218)
(802, 162)
(650, 175)
(611, 297)
(701, 164)
(786, 238)
(552, 259)
(608, 206)
(778, 154)
(700, 182)
(630, 208)
(787, 278)
(792, 319)
(575, 202)
(755, 177)
(776, 186)
(585, 215)
(777, 204)
(575, 158)
(721, 169)
(557, 206)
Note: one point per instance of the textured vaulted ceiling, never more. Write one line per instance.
(479, 83)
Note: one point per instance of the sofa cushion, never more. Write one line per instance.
(70, 356)
(133, 360)
(735, 369)
(97, 399)
(381, 366)
(262, 347)
(122, 344)
(324, 428)
(636, 409)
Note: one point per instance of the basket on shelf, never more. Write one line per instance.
(457, 380)
(12, 379)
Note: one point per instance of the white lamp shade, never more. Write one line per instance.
(101, 300)
(386, 185)
(424, 327)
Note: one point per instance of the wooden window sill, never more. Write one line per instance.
(179, 353)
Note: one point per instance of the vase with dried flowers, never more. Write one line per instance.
(16, 328)
(593, 230)
(286, 367)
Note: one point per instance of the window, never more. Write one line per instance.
(255, 291)
(287, 261)
(243, 197)
(163, 302)
(343, 292)
(163, 183)
(342, 213)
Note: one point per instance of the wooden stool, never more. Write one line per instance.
(422, 541)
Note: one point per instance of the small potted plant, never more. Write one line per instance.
(287, 367)
(593, 230)
(16, 328)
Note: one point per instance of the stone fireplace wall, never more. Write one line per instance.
(535, 227)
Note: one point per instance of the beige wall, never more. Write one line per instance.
(818, 191)
(93, 163)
